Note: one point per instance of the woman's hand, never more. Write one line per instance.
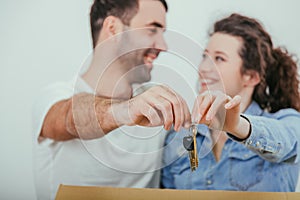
(218, 111)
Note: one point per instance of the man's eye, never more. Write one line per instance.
(153, 30)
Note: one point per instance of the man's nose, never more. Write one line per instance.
(160, 43)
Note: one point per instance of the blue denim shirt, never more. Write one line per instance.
(267, 161)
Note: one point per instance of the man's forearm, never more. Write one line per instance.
(82, 116)
(90, 117)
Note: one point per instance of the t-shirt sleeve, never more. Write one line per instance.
(44, 101)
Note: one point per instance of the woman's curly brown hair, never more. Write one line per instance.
(279, 85)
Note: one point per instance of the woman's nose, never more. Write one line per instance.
(206, 65)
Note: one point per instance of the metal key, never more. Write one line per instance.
(190, 144)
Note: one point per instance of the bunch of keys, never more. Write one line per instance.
(190, 144)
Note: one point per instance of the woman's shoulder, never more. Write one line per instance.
(256, 110)
(282, 113)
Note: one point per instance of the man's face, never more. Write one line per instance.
(143, 40)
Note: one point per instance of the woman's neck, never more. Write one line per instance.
(246, 99)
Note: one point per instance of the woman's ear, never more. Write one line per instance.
(111, 26)
(251, 78)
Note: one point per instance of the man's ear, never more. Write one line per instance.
(251, 78)
(112, 26)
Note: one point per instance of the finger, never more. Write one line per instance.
(206, 104)
(235, 101)
(151, 114)
(219, 100)
(164, 107)
(181, 110)
(196, 117)
(187, 115)
(177, 106)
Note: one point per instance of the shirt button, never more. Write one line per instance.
(250, 142)
(209, 182)
(257, 144)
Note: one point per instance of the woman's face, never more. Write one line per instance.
(220, 68)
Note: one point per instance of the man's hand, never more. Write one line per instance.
(87, 116)
(159, 105)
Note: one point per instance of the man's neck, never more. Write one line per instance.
(107, 80)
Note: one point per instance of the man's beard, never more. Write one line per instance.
(132, 61)
(135, 68)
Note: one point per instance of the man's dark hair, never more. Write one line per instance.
(123, 9)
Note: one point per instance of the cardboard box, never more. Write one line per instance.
(107, 193)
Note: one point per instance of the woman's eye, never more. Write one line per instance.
(219, 58)
(204, 55)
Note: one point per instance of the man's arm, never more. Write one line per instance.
(77, 118)
(54, 125)
(87, 116)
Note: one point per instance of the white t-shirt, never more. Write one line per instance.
(126, 157)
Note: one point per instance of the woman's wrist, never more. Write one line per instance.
(243, 130)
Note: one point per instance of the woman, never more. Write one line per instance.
(248, 114)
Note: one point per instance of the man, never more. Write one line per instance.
(79, 128)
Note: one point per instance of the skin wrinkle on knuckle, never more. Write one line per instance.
(164, 106)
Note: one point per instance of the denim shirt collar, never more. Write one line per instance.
(254, 109)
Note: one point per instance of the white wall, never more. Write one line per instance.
(41, 41)
(44, 41)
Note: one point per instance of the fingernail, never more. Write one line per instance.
(187, 124)
(227, 105)
(175, 128)
(165, 127)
